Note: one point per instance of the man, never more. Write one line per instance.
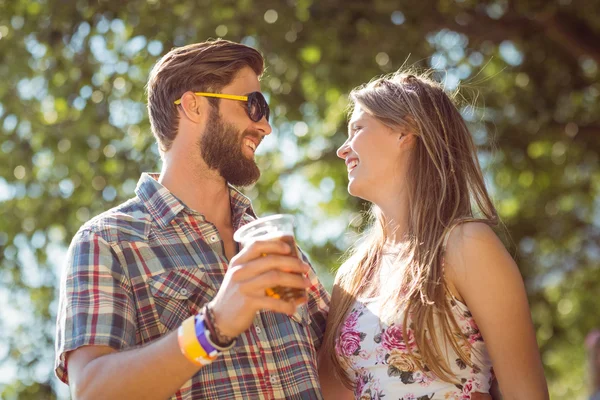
(137, 274)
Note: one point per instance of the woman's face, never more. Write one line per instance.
(371, 153)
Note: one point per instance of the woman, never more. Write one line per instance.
(429, 305)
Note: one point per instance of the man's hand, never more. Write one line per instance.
(259, 266)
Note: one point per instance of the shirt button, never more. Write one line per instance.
(273, 379)
(213, 238)
(183, 292)
(258, 330)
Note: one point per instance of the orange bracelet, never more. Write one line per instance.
(189, 345)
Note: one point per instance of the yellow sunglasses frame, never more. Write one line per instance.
(218, 95)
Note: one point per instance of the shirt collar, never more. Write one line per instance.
(241, 208)
(163, 205)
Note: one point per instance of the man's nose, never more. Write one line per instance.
(264, 127)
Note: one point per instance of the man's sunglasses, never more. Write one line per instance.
(256, 105)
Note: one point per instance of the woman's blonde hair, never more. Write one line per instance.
(445, 186)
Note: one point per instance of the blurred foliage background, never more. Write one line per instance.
(74, 137)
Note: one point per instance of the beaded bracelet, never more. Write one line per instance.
(216, 338)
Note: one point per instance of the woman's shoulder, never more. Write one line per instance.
(472, 248)
(470, 238)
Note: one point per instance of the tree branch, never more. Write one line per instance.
(567, 32)
(571, 34)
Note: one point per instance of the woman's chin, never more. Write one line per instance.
(354, 189)
(360, 192)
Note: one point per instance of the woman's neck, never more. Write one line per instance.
(396, 212)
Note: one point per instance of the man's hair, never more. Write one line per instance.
(199, 67)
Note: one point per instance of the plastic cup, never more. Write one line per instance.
(274, 227)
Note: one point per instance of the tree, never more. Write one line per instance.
(75, 135)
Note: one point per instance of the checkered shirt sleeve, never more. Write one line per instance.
(96, 305)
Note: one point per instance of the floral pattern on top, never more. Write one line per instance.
(367, 387)
(349, 342)
(379, 358)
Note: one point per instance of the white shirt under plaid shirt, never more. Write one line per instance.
(136, 272)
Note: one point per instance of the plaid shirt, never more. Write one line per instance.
(136, 272)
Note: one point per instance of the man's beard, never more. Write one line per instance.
(221, 148)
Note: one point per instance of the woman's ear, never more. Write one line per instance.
(407, 139)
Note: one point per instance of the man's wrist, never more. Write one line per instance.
(220, 340)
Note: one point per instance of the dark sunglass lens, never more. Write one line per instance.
(264, 107)
(254, 109)
(257, 107)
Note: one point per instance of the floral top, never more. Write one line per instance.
(378, 357)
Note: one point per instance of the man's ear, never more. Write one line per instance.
(192, 107)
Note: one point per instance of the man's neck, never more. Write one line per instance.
(203, 191)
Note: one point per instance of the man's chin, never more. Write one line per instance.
(236, 178)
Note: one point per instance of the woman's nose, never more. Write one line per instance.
(343, 150)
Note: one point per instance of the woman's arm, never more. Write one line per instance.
(333, 388)
(480, 271)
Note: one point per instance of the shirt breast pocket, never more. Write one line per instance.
(179, 294)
